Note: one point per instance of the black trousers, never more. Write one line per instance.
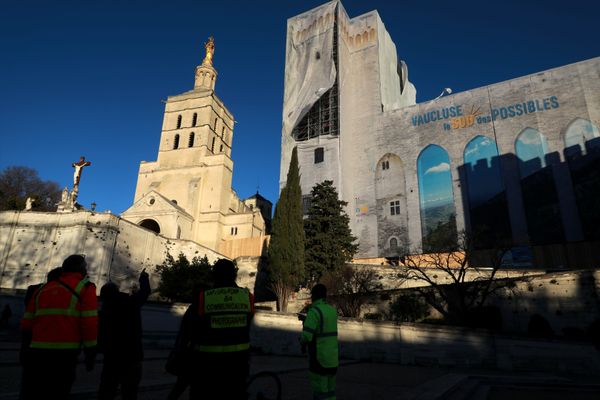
(118, 372)
(219, 376)
(48, 374)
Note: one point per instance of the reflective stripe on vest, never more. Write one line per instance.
(71, 311)
(222, 348)
(325, 337)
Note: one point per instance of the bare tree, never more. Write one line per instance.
(472, 275)
(350, 287)
(19, 183)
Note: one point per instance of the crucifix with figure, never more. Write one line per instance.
(79, 165)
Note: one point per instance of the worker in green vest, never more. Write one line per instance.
(319, 334)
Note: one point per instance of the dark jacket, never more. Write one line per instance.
(120, 325)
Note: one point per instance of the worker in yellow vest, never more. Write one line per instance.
(220, 337)
(319, 335)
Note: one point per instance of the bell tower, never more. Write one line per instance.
(193, 170)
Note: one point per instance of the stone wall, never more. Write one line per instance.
(408, 344)
(429, 345)
(32, 243)
(569, 301)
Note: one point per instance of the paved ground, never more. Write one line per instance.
(356, 380)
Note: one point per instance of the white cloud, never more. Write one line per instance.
(441, 167)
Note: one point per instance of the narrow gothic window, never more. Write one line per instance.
(194, 119)
(319, 155)
(395, 207)
(385, 165)
(191, 140)
(221, 149)
(215, 127)
(212, 146)
(176, 142)
(178, 121)
(222, 131)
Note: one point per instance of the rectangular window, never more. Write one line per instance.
(395, 207)
(306, 203)
(319, 156)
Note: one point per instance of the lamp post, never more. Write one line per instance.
(445, 91)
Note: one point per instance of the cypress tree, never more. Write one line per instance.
(329, 241)
(286, 248)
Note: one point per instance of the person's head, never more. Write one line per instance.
(224, 272)
(109, 292)
(319, 291)
(75, 263)
(54, 274)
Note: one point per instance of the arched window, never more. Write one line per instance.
(538, 189)
(531, 149)
(393, 243)
(212, 146)
(487, 207)
(178, 121)
(582, 153)
(438, 214)
(194, 119)
(221, 149)
(215, 127)
(191, 140)
(319, 155)
(176, 142)
(577, 136)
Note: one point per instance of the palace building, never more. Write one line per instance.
(515, 161)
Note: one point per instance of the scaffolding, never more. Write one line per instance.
(323, 116)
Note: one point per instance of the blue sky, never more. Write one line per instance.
(87, 78)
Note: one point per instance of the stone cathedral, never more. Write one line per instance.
(514, 162)
(186, 193)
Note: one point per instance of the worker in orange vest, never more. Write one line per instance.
(220, 337)
(61, 317)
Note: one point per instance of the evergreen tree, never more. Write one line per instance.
(286, 248)
(329, 241)
(181, 279)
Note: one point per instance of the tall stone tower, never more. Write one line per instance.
(186, 193)
(338, 69)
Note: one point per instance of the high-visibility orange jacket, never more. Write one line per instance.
(63, 314)
(225, 315)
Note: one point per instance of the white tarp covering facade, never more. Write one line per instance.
(310, 69)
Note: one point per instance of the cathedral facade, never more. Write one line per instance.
(186, 193)
(515, 161)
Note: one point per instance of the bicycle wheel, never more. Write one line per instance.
(264, 386)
